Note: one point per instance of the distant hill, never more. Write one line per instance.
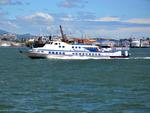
(18, 35)
(3, 32)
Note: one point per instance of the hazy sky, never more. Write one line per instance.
(93, 18)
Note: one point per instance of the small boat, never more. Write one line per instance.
(63, 50)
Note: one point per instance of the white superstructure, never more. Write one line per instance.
(63, 50)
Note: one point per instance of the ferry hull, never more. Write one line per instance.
(61, 50)
(76, 57)
(34, 55)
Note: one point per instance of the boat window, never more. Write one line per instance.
(56, 52)
(51, 43)
(63, 46)
(76, 46)
(79, 47)
(72, 46)
(55, 43)
(60, 53)
(52, 52)
(49, 52)
(59, 46)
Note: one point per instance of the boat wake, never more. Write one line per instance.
(139, 58)
(134, 58)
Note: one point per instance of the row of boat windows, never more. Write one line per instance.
(61, 46)
(87, 54)
(54, 43)
(72, 47)
(60, 53)
(76, 47)
(80, 54)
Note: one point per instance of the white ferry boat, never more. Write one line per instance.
(63, 50)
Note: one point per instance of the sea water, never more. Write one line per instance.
(74, 86)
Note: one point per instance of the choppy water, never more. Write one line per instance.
(74, 86)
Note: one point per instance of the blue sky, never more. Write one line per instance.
(90, 18)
